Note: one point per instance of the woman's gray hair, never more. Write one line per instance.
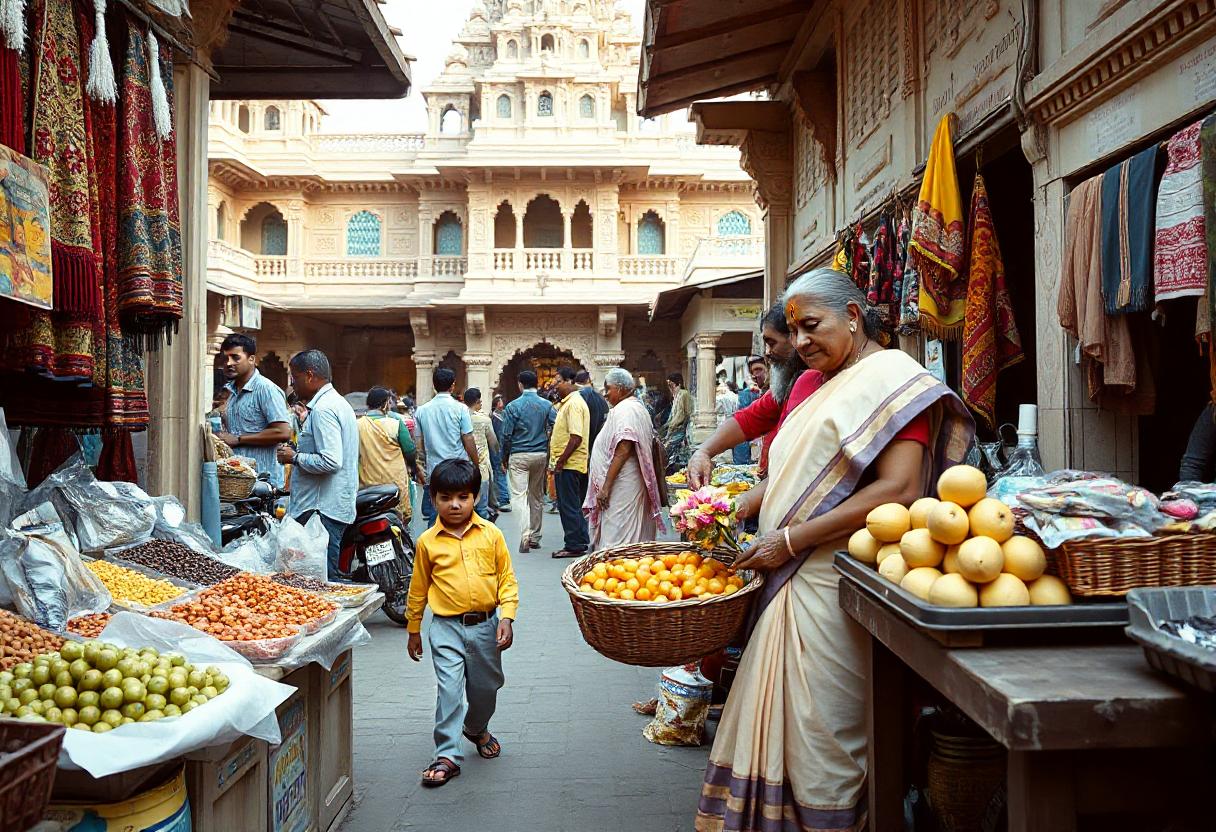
(834, 290)
(619, 377)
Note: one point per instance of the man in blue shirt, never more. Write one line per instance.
(257, 415)
(741, 454)
(325, 479)
(446, 431)
(526, 424)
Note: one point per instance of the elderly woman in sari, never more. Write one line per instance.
(623, 503)
(790, 752)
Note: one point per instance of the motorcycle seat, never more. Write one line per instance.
(383, 496)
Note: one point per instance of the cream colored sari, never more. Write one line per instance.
(790, 752)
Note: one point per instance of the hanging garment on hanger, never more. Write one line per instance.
(1207, 304)
(1128, 209)
(991, 341)
(880, 288)
(909, 285)
(1180, 256)
(936, 248)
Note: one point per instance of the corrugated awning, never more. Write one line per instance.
(671, 303)
(693, 50)
(319, 49)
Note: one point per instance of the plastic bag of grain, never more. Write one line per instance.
(682, 708)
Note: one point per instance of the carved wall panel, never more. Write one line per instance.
(872, 69)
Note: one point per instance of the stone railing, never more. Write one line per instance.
(269, 266)
(369, 143)
(360, 269)
(504, 259)
(224, 256)
(546, 259)
(449, 265)
(742, 245)
(582, 260)
(649, 265)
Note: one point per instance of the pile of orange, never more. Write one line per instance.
(662, 579)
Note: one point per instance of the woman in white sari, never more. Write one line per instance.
(623, 503)
(790, 752)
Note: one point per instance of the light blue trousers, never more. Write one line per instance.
(468, 665)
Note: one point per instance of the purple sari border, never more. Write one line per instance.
(757, 794)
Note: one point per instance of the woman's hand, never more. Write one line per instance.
(601, 499)
(700, 469)
(744, 510)
(768, 552)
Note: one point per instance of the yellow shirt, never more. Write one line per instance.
(455, 575)
(573, 419)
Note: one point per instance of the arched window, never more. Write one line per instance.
(449, 236)
(544, 104)
(586, 107)
(504, 106)
(512, 50)
(363, 235)
(546, 43)
(733, 224)
(450, 123)
(273, 118)
(584, 48)
(581, 235)
(274, 235)
(504, 226)
(543, 224)
(242, 119)
(651, 234)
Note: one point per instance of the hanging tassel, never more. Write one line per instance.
(160, 100)
(12, 24)
(101, 86)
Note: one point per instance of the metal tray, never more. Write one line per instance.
(1148, 606)
(953, 619)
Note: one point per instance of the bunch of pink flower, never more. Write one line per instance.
(706, 517)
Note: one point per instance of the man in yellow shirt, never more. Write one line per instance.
(568, 455)
(462, 571)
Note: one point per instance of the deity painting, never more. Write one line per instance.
(25, 231)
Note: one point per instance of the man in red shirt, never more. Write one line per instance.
(762, 417)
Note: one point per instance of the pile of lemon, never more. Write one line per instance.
(958, 550)
(661, 579)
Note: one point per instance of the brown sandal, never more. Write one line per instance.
(449, 770)
(487, 750)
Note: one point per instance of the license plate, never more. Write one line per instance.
(379, 553)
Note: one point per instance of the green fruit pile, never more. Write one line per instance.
(98, 687)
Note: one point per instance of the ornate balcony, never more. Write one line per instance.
(649, 265)
(449, 265)
(352, 269)
(550, 260)
(269, 267)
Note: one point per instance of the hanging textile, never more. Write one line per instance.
(117, 461)
(1107, 346)
(1128, 203)
(1207, 312)
(990, 335)
(936, 248)
(844, 257)
(150, 250)
(909, 285)
(12, 101)
(860, 261)
(881, 288)
(1180, 255)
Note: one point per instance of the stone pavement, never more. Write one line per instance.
(574, 759)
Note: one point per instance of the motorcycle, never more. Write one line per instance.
(253, 515)
(377, 548)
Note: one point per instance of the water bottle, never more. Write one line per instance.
(1024, 460)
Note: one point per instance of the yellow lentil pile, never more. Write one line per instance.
(131, 586)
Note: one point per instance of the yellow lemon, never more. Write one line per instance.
(864, 546)
(1004, 591)
(962, 484)
(885, 551)
(991, 518)
(1024, 558)
(893, 568)
(948, 523)
(888, 522)
(920, 549)
(980, 559)
(953, 591)
(920, 581)
(919, 511)
(1047, 590)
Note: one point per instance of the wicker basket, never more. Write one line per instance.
(656, 635)
(1104, 566)
(29, 753)
(235, 486)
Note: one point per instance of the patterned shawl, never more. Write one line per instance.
(150, 254)
(909, 285)
(936, 248)
(1207, 145)
(1128, 207)
(882, 289)
(990, 335)
(1180, 257)
(627, 421)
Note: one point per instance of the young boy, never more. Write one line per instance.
(462, 570)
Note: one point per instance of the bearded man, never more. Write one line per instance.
(763, 417)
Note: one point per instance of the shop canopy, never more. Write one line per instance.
(694, 50)
(671, 303)
(317, 49)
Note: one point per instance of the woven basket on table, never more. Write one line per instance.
(657, 635)
(235, 486)
(1105, 566)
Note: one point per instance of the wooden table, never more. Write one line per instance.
(1089, 729)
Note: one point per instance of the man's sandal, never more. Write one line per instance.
(443, 765)
(487, 750)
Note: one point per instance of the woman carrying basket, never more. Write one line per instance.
(791, 747)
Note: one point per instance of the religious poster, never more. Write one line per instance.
(25, 230)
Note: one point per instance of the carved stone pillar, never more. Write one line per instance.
(478, 367)
(767, 156)
(604, 361)
(567, 248)
(424, 363)
(706, 388)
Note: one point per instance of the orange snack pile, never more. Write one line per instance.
(249, 607)
(22, 640)
(89, 626)
(660, 580)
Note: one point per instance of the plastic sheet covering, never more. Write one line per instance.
(286, 547)
(171, 524)
(1077, 504)
(12, 481)
(45, 577)
(102, 514)
(683, 707)
(247, 707)
(324, 647)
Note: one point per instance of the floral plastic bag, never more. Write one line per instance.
(683, 706)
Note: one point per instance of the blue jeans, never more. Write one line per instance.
(483, 501)
(429, 513)
(501, 490)
(571, 489)
(741, 454)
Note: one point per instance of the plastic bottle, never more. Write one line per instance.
(1024, 460)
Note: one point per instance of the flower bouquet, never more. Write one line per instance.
(706, 518)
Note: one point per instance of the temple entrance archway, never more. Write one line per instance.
(544, 358)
